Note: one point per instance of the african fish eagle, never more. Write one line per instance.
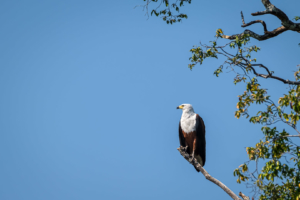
(192, 133)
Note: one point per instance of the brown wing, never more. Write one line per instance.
(200, 134)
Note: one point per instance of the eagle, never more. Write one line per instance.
(192, 133)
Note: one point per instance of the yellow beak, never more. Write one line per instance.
(180, 107)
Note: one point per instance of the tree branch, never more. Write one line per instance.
(208, 176)
(257, 21)
(291, 136)
(244, 196)
(247, 64)
(253, 22)
(286, 23)
(266, 36)
(271, 9)
(270, 75)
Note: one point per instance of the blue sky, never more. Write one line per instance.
(89, 91)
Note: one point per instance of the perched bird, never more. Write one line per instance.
(192, 133)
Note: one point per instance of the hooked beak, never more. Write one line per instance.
(180, 107)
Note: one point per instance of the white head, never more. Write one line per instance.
(186, 108)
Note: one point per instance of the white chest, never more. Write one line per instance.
(188, 123)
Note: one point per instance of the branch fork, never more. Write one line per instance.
(286, 23)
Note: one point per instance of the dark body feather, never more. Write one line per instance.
(195, 141)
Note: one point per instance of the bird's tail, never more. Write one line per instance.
(199, 159)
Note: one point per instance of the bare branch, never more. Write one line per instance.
(266, 36)
(260, 13)
(253, 22)
(257, 21)
(207, 175)
(271, 9)
(291, 136)
(244, 196)
(243, 21)
(286, 23)
(145, 7)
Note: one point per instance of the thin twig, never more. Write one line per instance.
(253, 22)
(291, 136)
(248, 64)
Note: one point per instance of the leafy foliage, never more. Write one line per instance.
(279, 178)
(168, 9)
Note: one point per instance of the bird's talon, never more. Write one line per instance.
(191, 159)
(184, 148)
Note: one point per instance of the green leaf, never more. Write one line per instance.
(167, 3)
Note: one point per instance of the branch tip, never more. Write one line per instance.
(207, 175)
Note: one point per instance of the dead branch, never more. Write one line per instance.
(244, 196)
(271, 9)
(208, 176)
(252, 34)
(291, 136)
(253, 22)
(286, 23)
(257, 21)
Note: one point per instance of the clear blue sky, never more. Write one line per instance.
(89, 91)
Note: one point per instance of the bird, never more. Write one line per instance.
(192, 134)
